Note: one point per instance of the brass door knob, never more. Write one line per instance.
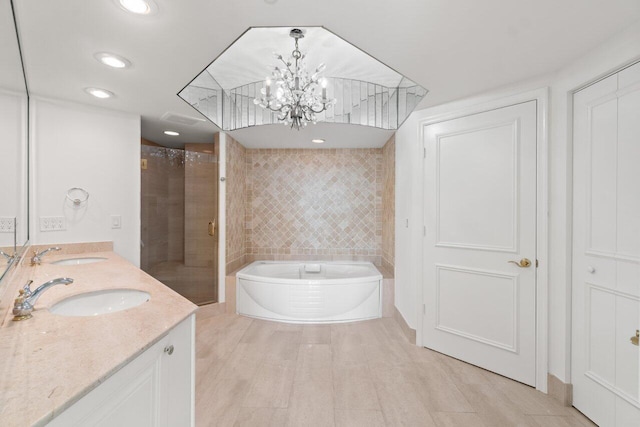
(634, 340)
(523, 263)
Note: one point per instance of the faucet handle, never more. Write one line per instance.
(36, 259)
(21, 307)
(26, 289)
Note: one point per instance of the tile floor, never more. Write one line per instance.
(257, 373)
(196, 284)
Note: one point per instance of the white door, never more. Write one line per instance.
(606, 249)
(480, 215)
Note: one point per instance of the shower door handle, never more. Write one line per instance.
(212, 228)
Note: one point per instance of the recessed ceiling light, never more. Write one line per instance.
(99, 93)
(171, 133)
(317, 141)
(139, 7)
(112, 60)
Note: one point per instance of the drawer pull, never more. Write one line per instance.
(169, 350)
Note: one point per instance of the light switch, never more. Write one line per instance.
(116, 221)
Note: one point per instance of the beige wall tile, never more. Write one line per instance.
(236, 201)
(162, 206)
(314, 203)
(200, 205)
(230, 293)
(388, 203)
(388, 297)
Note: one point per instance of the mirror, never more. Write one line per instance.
(14, 113)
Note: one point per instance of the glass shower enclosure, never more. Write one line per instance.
(179, 207)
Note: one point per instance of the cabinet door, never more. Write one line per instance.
(178, 373)
(156, 389)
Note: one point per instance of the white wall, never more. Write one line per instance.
(408, 239)
(13, 113)
(617, 52)
(96, 149)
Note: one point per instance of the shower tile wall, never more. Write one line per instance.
(388, 203)
(179, 198)
(163, 179)
(235, 204)
(304, 204)
(201, 175)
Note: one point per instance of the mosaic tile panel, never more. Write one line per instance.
(235, 204)
(388, 203)
(325, 203)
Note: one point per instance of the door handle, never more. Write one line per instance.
(523, 263)
(212, 227)
(634, 340)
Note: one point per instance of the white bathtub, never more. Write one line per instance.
(309, 292)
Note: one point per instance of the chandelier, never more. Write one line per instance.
(294, 93)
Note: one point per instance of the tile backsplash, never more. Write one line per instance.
(325, 203)
(285, 204)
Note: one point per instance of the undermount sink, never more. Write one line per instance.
(78, 261)
(100, 302)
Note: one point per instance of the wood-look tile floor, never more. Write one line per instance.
(196, 284)
(257, 373)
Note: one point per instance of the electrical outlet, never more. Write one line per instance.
(7, 225)
(52, 223)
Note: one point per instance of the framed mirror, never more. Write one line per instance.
(14, 147)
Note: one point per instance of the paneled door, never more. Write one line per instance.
(606, 250)
(480, 240)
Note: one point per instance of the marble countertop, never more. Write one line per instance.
(49, 362)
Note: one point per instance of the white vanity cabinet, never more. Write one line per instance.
(154, 389)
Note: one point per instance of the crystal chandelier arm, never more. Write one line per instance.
(286, 64)
(324, 108)
(276, 110)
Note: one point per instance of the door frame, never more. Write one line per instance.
(484, 104)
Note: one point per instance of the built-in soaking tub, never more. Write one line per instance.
(309, 292)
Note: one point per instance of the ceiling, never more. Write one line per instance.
(250, 58)
(454, 48)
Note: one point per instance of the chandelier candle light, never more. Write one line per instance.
(296, 98)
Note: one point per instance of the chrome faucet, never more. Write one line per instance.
(36, 259)
(23, 305)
